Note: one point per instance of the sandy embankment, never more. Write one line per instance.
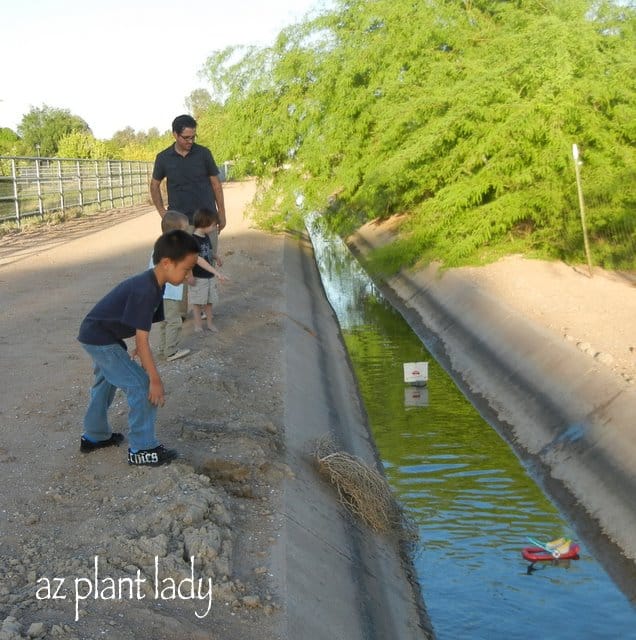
(552, 352)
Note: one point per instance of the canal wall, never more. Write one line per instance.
(574, 422)
(339, 578)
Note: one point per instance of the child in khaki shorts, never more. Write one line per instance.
(203, 294)
(170, 328)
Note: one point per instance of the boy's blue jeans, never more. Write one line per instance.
(115, 368)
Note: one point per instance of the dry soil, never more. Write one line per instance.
(91, 547)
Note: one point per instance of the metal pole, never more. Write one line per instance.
(16, 199)
(60, 184)
(80, 186)
(577, 164)
(134, 177)
(39, 180)
(99, 193)
(129, 183)
(121, 184)
(38, 177)
(110, 184)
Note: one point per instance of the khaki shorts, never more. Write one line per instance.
(203, 291)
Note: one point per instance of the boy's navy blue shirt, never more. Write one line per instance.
(205, 251)
(133, 304)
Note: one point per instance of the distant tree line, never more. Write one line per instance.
(52, 132)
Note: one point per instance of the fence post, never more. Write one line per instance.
(38, 177)
(129, 181)
(60, 184)
(78, 168)
(577, 171)
(16, 199)
(98, 185)
(110, 184)
(121, 183)
(134, 166)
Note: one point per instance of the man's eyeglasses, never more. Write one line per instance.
(187, 138)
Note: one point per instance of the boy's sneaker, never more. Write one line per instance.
(179, 353)
(152, 457)
(86, 445)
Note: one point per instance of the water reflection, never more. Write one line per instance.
(471, 498)
(415, 396)
(347, 284)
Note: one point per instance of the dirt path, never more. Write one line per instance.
(90, 524)
(597, 314)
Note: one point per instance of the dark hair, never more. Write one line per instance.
(174, 245)
(173, 220)
(183, 122)
(204, 218)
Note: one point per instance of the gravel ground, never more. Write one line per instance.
(90, 546)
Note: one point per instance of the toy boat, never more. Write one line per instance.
(560, 549)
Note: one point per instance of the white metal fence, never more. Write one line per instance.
(37, 186)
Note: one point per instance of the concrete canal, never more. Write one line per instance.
(473, 500)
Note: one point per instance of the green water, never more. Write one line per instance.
(473, 501)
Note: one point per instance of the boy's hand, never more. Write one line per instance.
(218, 260)
(156, 394)
(221, 277)
(190, 280)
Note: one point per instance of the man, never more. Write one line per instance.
(191, 174)
(192, 180)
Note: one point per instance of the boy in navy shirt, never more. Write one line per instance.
(129, 310)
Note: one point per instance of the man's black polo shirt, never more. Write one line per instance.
(188, 178)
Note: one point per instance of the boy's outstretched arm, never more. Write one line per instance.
(156, 393)
(204, 264)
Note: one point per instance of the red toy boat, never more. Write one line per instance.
(560, 549)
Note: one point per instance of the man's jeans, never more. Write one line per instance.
(114, 369)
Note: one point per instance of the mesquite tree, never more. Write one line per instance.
(460, 114)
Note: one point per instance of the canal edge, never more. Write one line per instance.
(339, 579)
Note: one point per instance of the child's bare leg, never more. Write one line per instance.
(210, 318)
(196, 317)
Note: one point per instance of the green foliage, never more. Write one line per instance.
(460, 114)
(8, 141)
(61, 134)
(125, 137)
(198, 102)
(46, 126)
(276, 208)
(80, 144)
(212, 125)
(129, 144)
